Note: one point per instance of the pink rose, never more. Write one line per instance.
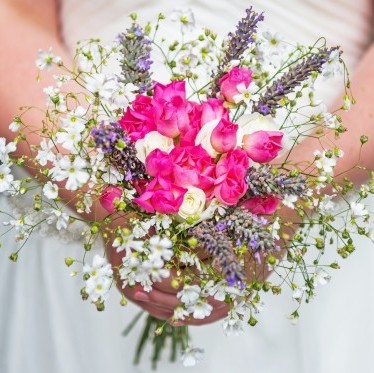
(213, 109)
(263, 146)
(230, 183)
(171, 108)
(230, 81)
(109, 196)
(193, 166)
(223, 137)
(235, 158)
(158, 163)
(261, 205)
(161, 196)
(139, 120)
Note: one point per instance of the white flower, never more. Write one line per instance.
(185, 17)
(15, 126)
(324, 162)
(129, 270)
(200, 310)
(275, 228)
(180, 313)
(333, 66)
(322, 277)
(126, 241)
(101, 84)
(163, 221)
(159, 247)
(45, 153)
(190, 259)
(256, 122)
(232, 324)
(191, 356)
(55, 98)
(45, 60)
(246, 93)
(61, 79)
(358, 210)
(193, 203)
(204, 135)
(326, 204)
(274, 42)
(98, 288)
(56, 216)
(50, 190)
(74, 118)
(189, 294)
(100, 267)
(188, 61)
(112, 176)
(151, 141)
(71, 136)
(5, 149)
(88, 57)
(331, 121)
(74, 172)
(289, 200)
(156, 269)
(6, 178)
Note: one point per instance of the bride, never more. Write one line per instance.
(44, 325)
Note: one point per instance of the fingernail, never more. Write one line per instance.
(177, 323)
(141, 297)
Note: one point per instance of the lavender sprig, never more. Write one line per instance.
(269, 101)
(136, 58)
(262, 181)
(237, 44)
(112, 140)
(220, 247)
(250, 230)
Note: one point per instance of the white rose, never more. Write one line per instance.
(256, 122)
(151, 141)
(193, 203)
(204, 135)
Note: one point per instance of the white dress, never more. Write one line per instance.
(45, 327)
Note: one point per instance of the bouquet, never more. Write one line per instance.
(197, 173)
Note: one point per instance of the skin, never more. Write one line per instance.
(34, 24)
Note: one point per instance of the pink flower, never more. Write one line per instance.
(171, 108)
(161, 196)
(212, 109)
(230, 183)
(223, 137)
(193, 166)
(263, 146)
(230, 81)
(108, 197)
(158, 163)
(261, 205)
(139, 120)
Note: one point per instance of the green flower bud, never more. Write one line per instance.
(69, 261)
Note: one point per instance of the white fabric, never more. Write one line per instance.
(45, 327)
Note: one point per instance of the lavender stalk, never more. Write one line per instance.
(136, 58)
(262, 181)
(269, 101)
(237, 44)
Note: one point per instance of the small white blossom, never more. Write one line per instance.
(50, 190)
(322, 277)
(160, 247)
(246, 93)
(15, 126)
(46, 60)
(325, 162)
(55, 98)
(358, 210)
(5, 149)
(56, 216)
(185, 17)
(112, 176)
(289, 200)
(45, 153)
(190, 259)
(89, 56)
(232, 324)
(6, 178)
(333, 66)
(102, 84)
(75, 172)
(191, 356)
(189, 294)
(200, 310)
(180, 313)
(326, 205)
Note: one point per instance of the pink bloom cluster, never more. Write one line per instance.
(208, 152)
